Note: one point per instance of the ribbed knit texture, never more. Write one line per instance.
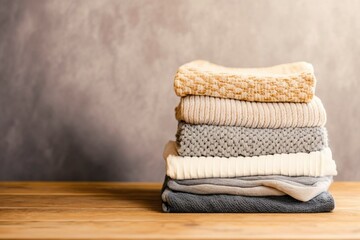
(192, 203)
(293, 82)
(314, 164)
(226, 141)
(230, 112)
(300, 188)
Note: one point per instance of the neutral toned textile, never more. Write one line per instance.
(300, 188)
(192, 203)
(314, 164)
(230, 112)
(292, 82)
(226, 141)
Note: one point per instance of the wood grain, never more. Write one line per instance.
(66, 210)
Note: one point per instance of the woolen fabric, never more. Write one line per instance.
(315, 164)
(226, 141)
(230, 112)
(180, 202)
(300, 188)
(292, 82)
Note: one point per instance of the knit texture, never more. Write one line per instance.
(226, 141)
(314, 164)
(300, 188)
(230, 112)
(181, 202)
(293, 82)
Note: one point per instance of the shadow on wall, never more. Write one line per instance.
(56, 109)
(50, 133)
(79, 158)
(60, 151)
(71, 107)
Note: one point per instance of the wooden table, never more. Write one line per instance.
(49, 210)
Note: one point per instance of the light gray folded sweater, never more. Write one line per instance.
(229, 141)
(300, 188)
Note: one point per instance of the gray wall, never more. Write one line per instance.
(86, 86)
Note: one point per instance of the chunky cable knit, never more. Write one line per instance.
(226, 141)
(315, 164)
(220, 203)
(230, 112)
(293, 82)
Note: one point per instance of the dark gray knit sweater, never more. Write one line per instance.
(179, 202)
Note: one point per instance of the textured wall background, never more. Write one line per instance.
(86, 86)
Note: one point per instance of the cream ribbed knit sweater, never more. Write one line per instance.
(230, 112)
(293, 82)
(313, 164)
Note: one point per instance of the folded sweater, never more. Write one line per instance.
(313, 164)
(227, 141)
(180, 202)
(230, 112)
(293, 82)
(300, 188)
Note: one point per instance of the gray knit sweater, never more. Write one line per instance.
(229, 141)
(191, 203)
(301, 188)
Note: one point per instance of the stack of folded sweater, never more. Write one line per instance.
(248, 140)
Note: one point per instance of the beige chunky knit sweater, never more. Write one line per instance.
(230, 112)
(293, 82)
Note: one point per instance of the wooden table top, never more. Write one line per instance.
(67, 210)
